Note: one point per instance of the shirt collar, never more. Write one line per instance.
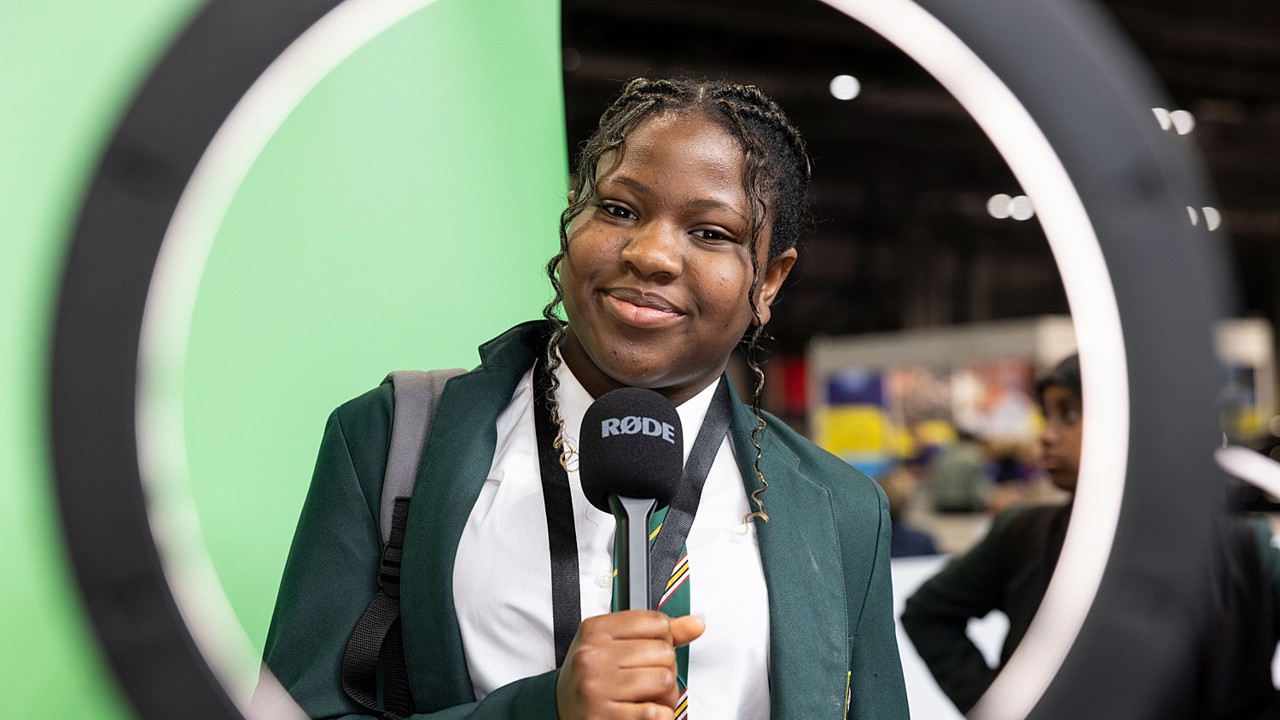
(574, 401)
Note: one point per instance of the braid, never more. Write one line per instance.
(777, 167)
(552, 357)
(776, 174)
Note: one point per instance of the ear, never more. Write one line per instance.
(573, 195)
(775, 273)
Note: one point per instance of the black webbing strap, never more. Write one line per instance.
(396, 698)
(566, 603)
(378, 633)
(675, 526)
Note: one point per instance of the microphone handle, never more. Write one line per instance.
(631, 550)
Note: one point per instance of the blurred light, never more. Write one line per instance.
(1252, 467)
(1180, 121)
(1162, 117)
(1020, 208)
(1212, 218)
(1183, 121)
(1195, 216)
(571, 59)
(845, 87)
(998, 206)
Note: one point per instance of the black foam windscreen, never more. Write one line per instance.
(631, 445)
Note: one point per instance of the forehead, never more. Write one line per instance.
(677, 144)
(1058, 395)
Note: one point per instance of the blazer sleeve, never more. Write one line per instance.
(1266, 542)
(937, 615)
(329, 578)
(877, 690)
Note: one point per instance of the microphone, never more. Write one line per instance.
(630, 459)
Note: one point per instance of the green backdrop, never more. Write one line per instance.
(400, 217)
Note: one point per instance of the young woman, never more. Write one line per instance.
(681, 228)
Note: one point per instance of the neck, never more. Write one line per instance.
(597, 382)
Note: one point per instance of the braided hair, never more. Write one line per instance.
(776, 173)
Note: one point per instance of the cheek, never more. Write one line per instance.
(587, 250)
(576, 261)
(733, 277)
(1075, 441)
(729, 286)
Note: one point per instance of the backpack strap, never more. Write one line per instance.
(416, 393)
(415, 396)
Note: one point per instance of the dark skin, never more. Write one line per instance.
(656, 280)
(658, 266)
(1061, 438)
(623, 666)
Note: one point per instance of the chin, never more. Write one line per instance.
(1063, 481)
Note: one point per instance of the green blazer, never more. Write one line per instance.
(825, 554)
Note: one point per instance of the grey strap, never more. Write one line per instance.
(416, 394)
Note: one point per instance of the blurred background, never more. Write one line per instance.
(927, 300)
(903, 177)
(918, 315)
(920, 312)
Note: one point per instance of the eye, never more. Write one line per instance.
(619, 211)
(713, 235)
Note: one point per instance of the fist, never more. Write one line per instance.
(623, 666)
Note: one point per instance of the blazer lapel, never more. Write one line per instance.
(809, 647)
(809, 635)
(455, 462)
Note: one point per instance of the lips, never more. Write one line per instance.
(641, 309)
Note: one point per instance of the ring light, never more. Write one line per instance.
(171, 300)
(1143, 285)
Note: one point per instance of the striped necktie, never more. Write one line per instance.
(668, 548)
(675, 603)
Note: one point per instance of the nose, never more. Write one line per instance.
(653, 250)
(1049, 433)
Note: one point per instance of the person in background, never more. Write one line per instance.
(956, 480)
(900, 485)
(1010, 568)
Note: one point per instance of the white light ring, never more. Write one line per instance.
(1253, 467)
(1092, 300)
(166, 328)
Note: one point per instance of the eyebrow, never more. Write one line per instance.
(634, 184)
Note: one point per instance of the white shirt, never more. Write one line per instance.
(502, 573)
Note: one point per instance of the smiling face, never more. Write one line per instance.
(1060, 439)
(658, 267)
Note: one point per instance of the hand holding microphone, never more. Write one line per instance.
(631, 456)
(623, 665)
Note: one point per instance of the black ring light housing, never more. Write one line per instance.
(1063, 60)
(1092, 98)
(93, 384)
